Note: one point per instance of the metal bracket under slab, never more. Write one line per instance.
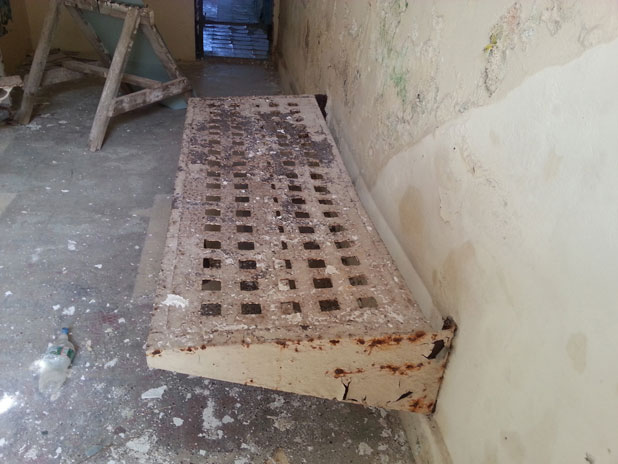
(274, 276)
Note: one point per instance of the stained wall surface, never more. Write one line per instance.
(481, 138)
(175, 21)
(16, 43)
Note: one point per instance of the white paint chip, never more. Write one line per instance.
(177, 421)
(71, 245)
(175, 300)
(141, 444)
(154, 393)
(364, 449)
(69, 311)
(210, 423)
(111, 363)
(56, 307)
(8, 293)
(98, 266)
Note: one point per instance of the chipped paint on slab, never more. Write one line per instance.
(286, 265)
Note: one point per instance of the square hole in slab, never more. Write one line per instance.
(281, 229)
(241, 186)
(367, 302)
(277, 214)
(212, 151)
(358, 280)
(212, 185)
(289, 163)
(213, 174)
(316, 176)
(323, 283)
(242, 199)
(290, 307)
(335, 228)
(306, 230)
(284, 245)
(298, 201)
(210, 309)
(213, 198)
(288, 264)
(212, 227)
(242, 228)
(214, 163)
(240, 174)
(251, 308)
(239, 163)
(211, 263)
(301, 214)
(211, 285)
(243, 213)
(287, 284)
(329, 305)
(325, 202)
(313, 164)
(311, 246)
(331, 214)
(350, 261)
(291, 175)
(295, 188)
(212, 244)
(213, 212)
(246, 246)
(343, 244)
(247, 264)
(321, 189)
(248, 285)
(276, 200)
(316, 263)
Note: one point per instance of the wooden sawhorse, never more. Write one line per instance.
(110, 104)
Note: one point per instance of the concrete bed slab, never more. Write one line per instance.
(81, 234)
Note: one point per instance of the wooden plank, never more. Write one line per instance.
(94, 40)
(114, 78)
(88, 68)
(38, 63)
(115, 10)
(90, 35)
(158, 45)
(161, 50)
(9, 82)
(148, 96)
(57, 75)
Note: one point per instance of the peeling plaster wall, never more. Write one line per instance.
(174, 19)
(481, 136)
(15, 45)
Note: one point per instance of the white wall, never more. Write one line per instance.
(483, 138)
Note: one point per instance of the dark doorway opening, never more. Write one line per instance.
(234, 28)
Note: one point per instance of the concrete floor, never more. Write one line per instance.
(81, 234)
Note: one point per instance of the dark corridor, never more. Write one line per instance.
(233, 28)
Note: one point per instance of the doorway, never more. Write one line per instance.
(234, 28)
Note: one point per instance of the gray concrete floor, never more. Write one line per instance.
(80, 238)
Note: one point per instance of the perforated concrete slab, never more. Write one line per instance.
(273, 274)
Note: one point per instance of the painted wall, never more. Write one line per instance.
(174, 19)
(15, 45)
(481, 136)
